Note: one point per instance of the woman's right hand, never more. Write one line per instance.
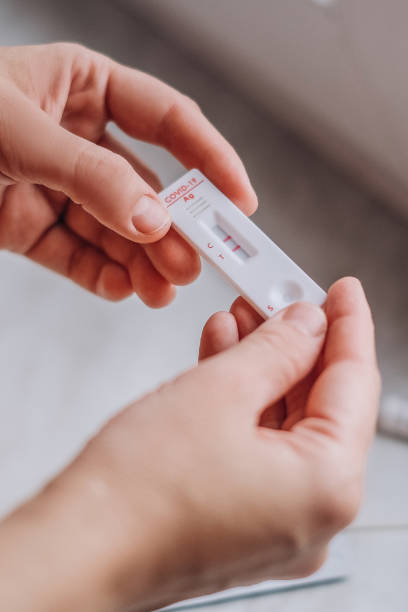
(240, 470)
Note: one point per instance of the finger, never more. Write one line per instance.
(113, 144)
(86, 226)
(171, 256)
(149, 284)
(219, 334)
(174, 258)
(62, 251)
(259, 370)
(154, 290)
(351, 329)
(68, 254)
(39, 240)
(247, 318)
(103, 182)
(223, 331)
(343, 402)
(150, 110)
(296, 401)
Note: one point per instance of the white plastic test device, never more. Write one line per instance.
(258, 269)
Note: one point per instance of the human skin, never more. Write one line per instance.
(76, 200)
(239, 470)
(242, 468)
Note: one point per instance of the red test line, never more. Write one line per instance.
(227, 238)
(185, 193)
(236, 248)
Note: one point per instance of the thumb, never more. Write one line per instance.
(264, 366)
(104, 183)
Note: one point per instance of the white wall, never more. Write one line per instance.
(336, 69)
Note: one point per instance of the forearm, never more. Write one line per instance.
(75, 547)
(104, 536)
(123, 528)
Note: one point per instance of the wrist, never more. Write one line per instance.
(80, 545)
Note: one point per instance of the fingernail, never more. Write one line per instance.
(149, 215)
(307, 318)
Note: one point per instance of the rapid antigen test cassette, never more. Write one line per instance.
(258, 269)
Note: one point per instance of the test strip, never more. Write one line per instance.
(258, 269)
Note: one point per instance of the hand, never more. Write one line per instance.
(75, 200)
(240, 470)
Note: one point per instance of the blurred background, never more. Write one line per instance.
(313, 95)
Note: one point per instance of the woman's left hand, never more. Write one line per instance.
(73, 198)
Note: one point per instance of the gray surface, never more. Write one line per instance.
(68, 360)
(338, 72)
(379, 582)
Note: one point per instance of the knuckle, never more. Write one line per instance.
(181, 275)
(191, 269)
(337, 499)
(85, 161)
(114, 164)
(190, 103)
(306, 565)
(67, 49)
(92, 160)
(314, 561)
(178, 106)
(282, 340)
(149, 176)
(78, 60)
(76, 260)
